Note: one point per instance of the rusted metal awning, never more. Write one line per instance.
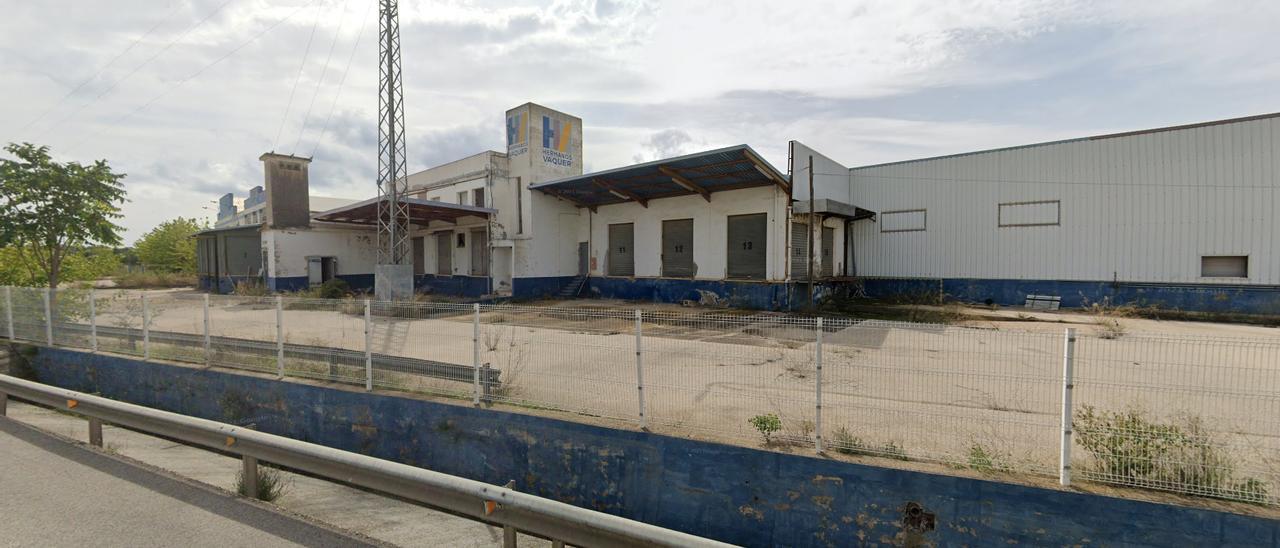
(703, 174)
(421, 212)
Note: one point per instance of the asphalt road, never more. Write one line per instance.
(55, 493)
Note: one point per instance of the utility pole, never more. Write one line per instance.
(813, 219)
(393, 276)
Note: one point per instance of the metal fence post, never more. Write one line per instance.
(1068, 380)
(817, 412)
(644, 420)
(208, 351)
(279, 336)
(48, 316)
(93, 320)
(8, 310)
(95, 432)
(475, 355)
(368, 347)
(249, 475)
(146, 328)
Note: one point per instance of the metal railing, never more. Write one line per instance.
(1189, 414)
(564, 524)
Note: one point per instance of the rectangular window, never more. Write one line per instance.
(462, 198)
(621, 252)
(677, 248)
(444, 254)
(904, 220)
(1039, 213)
(462, 240)
(748, 245)
(477, 197)
(1224, 266)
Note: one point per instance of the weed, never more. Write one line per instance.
(1108, 328)
(250, 289)
(845, 442)
(271, 484)
(1130, 448)
(767, 424)
(154, 280)
(983, 459)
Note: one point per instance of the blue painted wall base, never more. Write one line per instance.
(1209, 298)
(462, 286)
(734, 494)
(538, 288)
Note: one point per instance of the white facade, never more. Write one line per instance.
(1138, 207)
(287, 250)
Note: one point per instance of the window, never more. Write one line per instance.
(462, 240)
(905, 220)
(444, 254)
(434, 198)
(677, 248)
(477, 197)
(519, 208)
(1041, 213)
(1224, 266)
(462, 198)
(747, 246)
(621, 252)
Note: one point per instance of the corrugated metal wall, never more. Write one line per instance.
(1141, 207)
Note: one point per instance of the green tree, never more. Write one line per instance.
(49, 210)
(169, 247)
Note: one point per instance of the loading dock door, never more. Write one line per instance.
(621, 252)
(444, 254)
(799, 251)
(747, 246)
(419, 262)
(479, 253)
(677, 248)
(828, 258)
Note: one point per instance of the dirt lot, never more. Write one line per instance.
(983, 392)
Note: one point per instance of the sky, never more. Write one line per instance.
(184, 95)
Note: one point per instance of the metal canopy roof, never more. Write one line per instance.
(833, 208)
(700, 173)
(421, 212)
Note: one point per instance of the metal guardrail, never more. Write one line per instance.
(562, 523)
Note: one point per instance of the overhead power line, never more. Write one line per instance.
(143, 64)
(103, 68)
(225, 56)
(323, 72)
(305, 52)
(355, 46)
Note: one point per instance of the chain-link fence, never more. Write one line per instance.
(1184, 414)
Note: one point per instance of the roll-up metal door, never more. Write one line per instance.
(479, 253)
(444, 254)
(748, 246)
(799, 251)
(677, 248)
(828, 257)
(621, 252)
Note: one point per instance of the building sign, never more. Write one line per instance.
(555, 141)
(517, 134)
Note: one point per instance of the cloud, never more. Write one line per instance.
(864, 81)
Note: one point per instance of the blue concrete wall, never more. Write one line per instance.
(538, 288)
(1219, 298)
(735, 494)
(462, 286)
(288, 283)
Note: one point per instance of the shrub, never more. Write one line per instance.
(271, 484)
(983, 459)
(1108, 328)
(1132, 449)
(767, 425)
(154, 280)
(250, 289)
(335, 288)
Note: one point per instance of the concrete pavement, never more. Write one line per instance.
(58, 494)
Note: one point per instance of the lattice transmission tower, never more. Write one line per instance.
(393, 214)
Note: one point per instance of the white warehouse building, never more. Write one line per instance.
(1179, 217)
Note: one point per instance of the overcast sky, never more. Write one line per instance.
(184, 95)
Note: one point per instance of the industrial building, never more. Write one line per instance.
(1178, 217)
